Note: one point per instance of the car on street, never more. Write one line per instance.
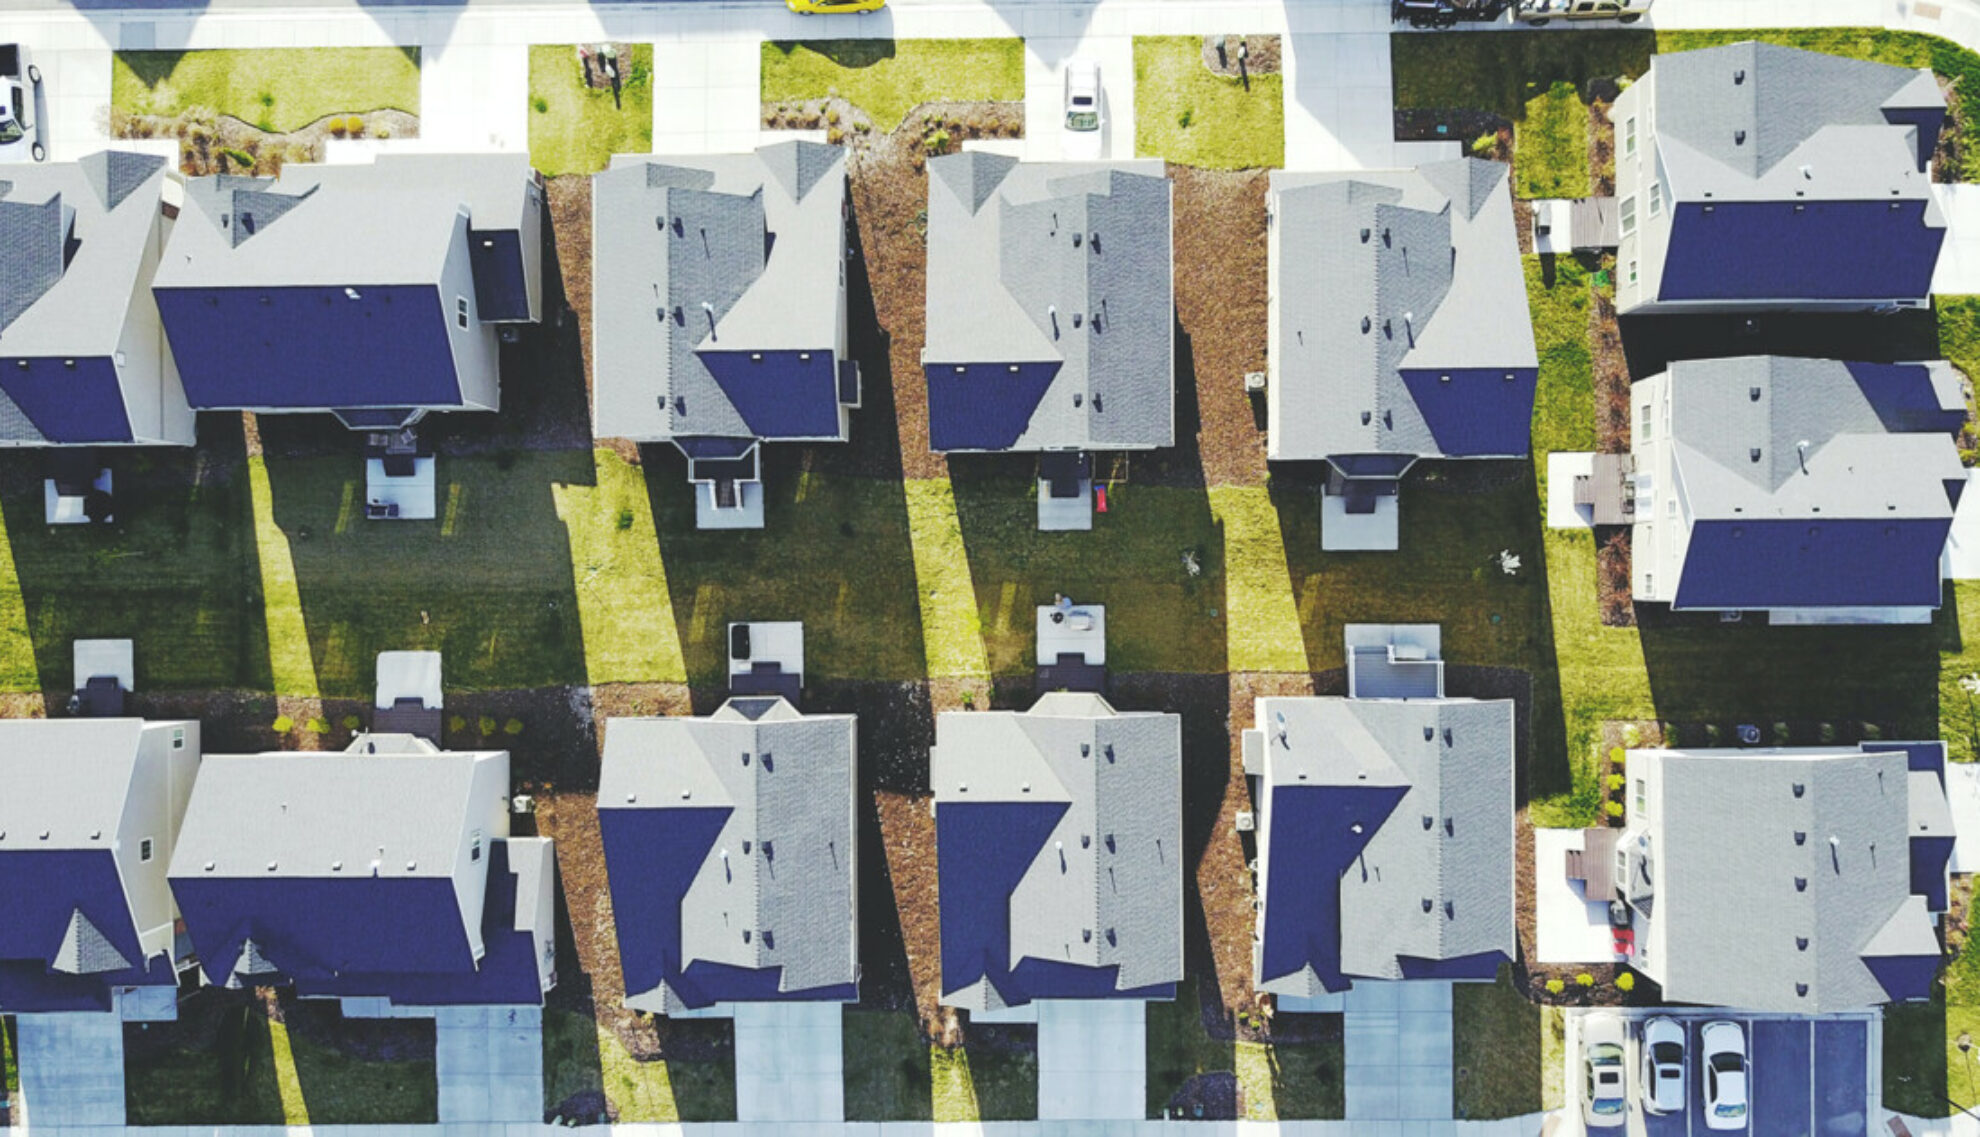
(20, 125)
(1722, 1052)
(1603, 1090)
(831, 7)
(1539, 12)
(1663, 1065)
(1085, 121)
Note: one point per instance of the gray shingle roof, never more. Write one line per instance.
(754, 237)
(1746, 868)
(1455, 756)
(69, 777)
(85, 950)
(784, 860)
(1114, 861)
(1822, 445)
(1747, 117)
(1384, 270)
(1013, 263)
(109, 202)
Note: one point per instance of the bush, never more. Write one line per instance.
(1632, 737)
(456, 724)
(832, 116)
(835, 136)
(1584, 980)
(382, 132)
(352, 722)
(1617, 755)
(1484, 144)
(1555, 986)
(1712, 733)
(937, 142)
(317, 726)
(1613, 808)
(1872, 732)
(1826, 733)
(335, 126)
(487, 725)
(1626, 982)
(512, 728)
(1782, 736)
(240, 158)
(284, 724)
(540, 105)
(354, 125)
(1617, 781)
(1187, 116)
(625, 519)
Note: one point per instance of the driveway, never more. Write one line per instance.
(489, 1064)
(1397, 1037)
(1092, 1059)
(1045, 92)
(72, 1069)
(790, 1062)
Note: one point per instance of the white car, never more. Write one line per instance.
(1663, 1065)
(1085, 139)
(20, 130)
(1723, 1059)
(1538, 12)
(1602, 1065)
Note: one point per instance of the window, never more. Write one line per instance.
(1628, 213)
(1671, 505)
(460, 311)
(1648, 420)
(178, 738)
(1632, 272)
(1629, 135)
(1656, 198)
(144, 850)
(1649, 585)
(474, 846)
(1640, 795)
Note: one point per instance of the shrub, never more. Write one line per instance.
(1872, 732)
(512, 728)
(835, 136)
(486, 724)
(1617, 755)
(317, 726)
(335, 126)
(969, 700)
(1712, 733)
(456, 724)
(354, 125)
(1626, 982)
(832, 116)
(937, 142)
(1782, 736)
(352, 722)
(266, 98)
(240, 158)
(284, 724)
(1826, 732)
(1555, 986)
(1484, 144)
(382, 132)
(625, 519)
(1617, 781)
(1632, 737)
(1584, 980)
(1613, 808)
(1187, 116)
(862, 126)
(540, 105)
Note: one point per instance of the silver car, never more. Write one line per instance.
(1085, 120)
(1539, 12)
(1602, 1065)
(1723, 1053)
(1663, 1065)
(20, 128)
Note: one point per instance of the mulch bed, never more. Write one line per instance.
(1450, 124)
(216, 145)
(1612, 577)
(1601, 149)
(1261, 55)
(1220, 283)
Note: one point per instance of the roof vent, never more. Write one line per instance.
(1799, 789)
(1108, 750)
(271, 866)
(1753, 394)
(1450, 910)
(1801, 943)
(1366, 323)
(1026, 787)
(1807, 172)
(1450, 827)
(351, 294)
(1086, 935)
(1447, 736)
(1801, 884)
(1365, 416)
(336, 866)
(1429, 732)
(1754, 454)
(1739, 138)
(1739, 76)
(1364, 236)
(412, 866)
(1428, 821)
(1800, 838)
(1085, 750)
(1428, 904)
(1801, 989)
(1075, 240)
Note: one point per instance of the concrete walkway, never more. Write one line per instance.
(790, 1062)
(489, 1064)
(1397, 1037)
(71, 1069)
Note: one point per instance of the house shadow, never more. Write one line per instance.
(1651, 343)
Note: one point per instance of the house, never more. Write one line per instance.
(1814, 490)
(1752, 177)
(731, 848)
(88, 822)
(719, 292)
(385, 872)
(1059, 853)
(1051, 315)
(1385, 826)
(1398, 331)
(83, 359)
(1829, 898)
(377, 292)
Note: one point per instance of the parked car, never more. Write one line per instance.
(828, 7)
(1723, 1049)
(1085, 121)
(1539, 12)
(1446, 13)
(20, 126)
(1663, 1065)
(1602, 1102)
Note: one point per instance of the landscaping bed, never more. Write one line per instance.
(1193, 115)
(1220, 275)
(223, 144)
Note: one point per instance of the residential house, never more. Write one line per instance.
(731, 846)
(1398, 330)
(719, 293)
(1797, 881)
(83, 358)
(1753, 176)
(1051, 314)
(1813, 490)
(88, 822)
(382, 872)
(1059, 853)
(378, 292)
(1385, 826)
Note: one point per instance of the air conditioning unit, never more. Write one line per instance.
(1246, 821)
(1254, 382)
(522, 803)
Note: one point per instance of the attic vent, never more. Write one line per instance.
(745, 757)
(660, 222)
(1447, 736)
(1086, 935)
(1085, 750)
(1428, 904)
(336, 866)
(1389, 419)
(271, 866)
(1365, 325)
(1807, 173)
(1450, 827)
(1801, 989)
(1801, 943)
(1443, 378)
(1429, 732)
(769, 851)
(1428, 821)
(769, 941)
(1108, 750)
(1077, 400)
(1086, 840)
(1800, 838)
(1753, 394)
(1739, 77)
(1754, 454)
(1365, 416)
(1075, 240)
(1739, 138)
(351, 294)
(1801, 884)
(1799, 789)
(1450, 910)
(746, 845)
(745, 935)
(1364, 236)
(1385, 238)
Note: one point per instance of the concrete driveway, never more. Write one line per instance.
(1045, 92)
(790, 1062)
(489, 1063)
(1092, 1059)
(72, 1069)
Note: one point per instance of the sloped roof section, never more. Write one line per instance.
(116, 174)
(31, 261)
(85, 950)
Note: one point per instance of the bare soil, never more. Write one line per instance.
(217, 144)
(1261, 55)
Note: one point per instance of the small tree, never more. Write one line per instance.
(1612, 808)
(1555, 986)
(1617, 756)
(1617, 781)
(1584, 980)
(284, 724)
(1626, 982)
(512, 728)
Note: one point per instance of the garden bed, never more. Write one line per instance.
(223, 144)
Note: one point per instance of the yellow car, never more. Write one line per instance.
(828, 7)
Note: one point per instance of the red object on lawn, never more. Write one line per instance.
(1100, 498)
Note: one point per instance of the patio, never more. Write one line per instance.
(1570, 928)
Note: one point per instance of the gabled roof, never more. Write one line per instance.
(1388, 839)
(1050, 285)
(711, 274)
(56, 297)
(730, 845)
(1386, 274)
(1059, 849)
(1819, 886)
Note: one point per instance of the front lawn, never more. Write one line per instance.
(575, 128)
(992, 1077)
(1550, 146)
(587, 1069)
(887, 1071)
(277, 89)
(1501, 73)
(1499, 1049)
(1185, 113)
(888, 78)
(1277, 1081)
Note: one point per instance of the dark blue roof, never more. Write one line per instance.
(1904, 977)
(1904, 398)
(83, 403)
(1813, 564)
(778, 394)
(1484, 965)
(986, 406)
(1478, 411)
(1918, 755)
(40, 891)
(1312, 843)
(29, 988)
(1928, 869)
(1826, 250)
(311, 348)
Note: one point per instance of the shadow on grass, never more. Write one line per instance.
(152, 67)
(1915, 1058)
(171, 573)
(843, 52)
(887, 1074)
(1497, 1049)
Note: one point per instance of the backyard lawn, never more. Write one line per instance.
(586, 1067)
(1499, 1048)
(888, 78)
(575, 128)
(275, 89)
(1550, 146)
(1275, 1081)
(1185, 113)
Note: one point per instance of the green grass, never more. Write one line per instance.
(233, 1079)
(1550, 146)
(887, 1073)
(888, 78)
(1498, 1052)
(1188, 115)
(10, 1071)
(1959, 342)
(581, 1059)
(1553, 1058)
(1277, 1081)
(575, 129)
(1500, 74)
(275, 88)
(987, 1080)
